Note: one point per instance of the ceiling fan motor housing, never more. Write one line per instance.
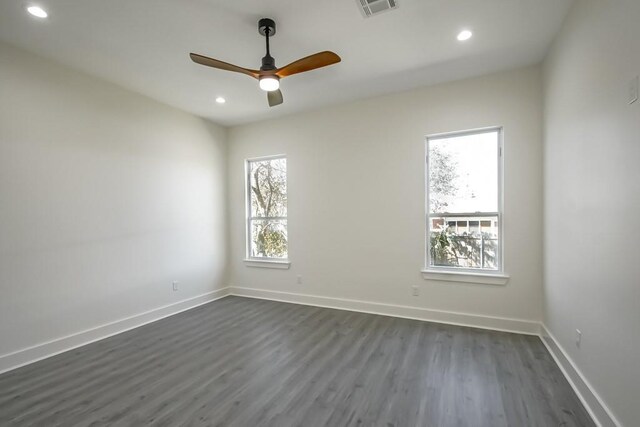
(268, 63)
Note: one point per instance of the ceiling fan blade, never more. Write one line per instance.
(210, 62)
(317, 60)
(274, 97)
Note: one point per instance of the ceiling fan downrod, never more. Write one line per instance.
(267, 28)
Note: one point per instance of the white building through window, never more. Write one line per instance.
(266, 180)
(464, 199)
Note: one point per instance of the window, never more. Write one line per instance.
(267, 208)
(464, 196)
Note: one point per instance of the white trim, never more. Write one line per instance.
(267, 263)
(462, 214)
(455, 133)
(47, 349)
(269, 157)
(521, 326)
(593, 403)
(465, 277)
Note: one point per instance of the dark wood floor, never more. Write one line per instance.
(248, 362)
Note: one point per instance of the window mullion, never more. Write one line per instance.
(268, 218)
(462, 214)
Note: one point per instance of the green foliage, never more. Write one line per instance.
(439, 244)
(468, 250)
(271, 241)
(442, 178)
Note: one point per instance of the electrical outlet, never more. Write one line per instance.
(634, 87)
(299, 280)
(415, 290)
(578, 337)
(176, 286)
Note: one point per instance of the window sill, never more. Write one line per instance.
(268, 263)
(466, 277)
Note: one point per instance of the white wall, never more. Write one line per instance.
(356, 195)
(592, 198)
(106, 197)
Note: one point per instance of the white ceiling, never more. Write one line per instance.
(144, 45)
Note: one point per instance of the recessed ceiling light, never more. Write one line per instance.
(37, 11)
(220, 100)
(464, 35)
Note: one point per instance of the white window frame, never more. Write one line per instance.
(467, 275)
(253, 261)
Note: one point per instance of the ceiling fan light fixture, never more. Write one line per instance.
(269, 83)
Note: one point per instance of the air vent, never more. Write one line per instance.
(373, 7)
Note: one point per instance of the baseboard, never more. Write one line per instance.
(44, 350)
(529, 327)
(593, 403)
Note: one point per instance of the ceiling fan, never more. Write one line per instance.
(269, 75)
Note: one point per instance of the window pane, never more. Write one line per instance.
(463, 173)
(268, 238)
(452, 246)
(268, 180)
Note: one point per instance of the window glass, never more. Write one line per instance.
(267, 208)
(463, 194)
